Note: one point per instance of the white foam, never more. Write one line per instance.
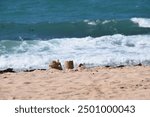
(106, 21)
(96, 22)
(89, 22)
(142, 22)
(106, 50)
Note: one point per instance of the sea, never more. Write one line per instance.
(93, 32)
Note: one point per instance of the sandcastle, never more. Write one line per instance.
(55, 65)
(67, 65)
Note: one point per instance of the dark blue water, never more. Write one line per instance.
(65, 18)
(32, 29)
(35, 11)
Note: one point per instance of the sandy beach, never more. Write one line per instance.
(90, 83)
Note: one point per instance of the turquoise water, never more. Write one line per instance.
(112, 32)
(36, 11)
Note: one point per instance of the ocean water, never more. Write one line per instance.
(94, 32)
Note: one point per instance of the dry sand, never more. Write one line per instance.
(93, 83)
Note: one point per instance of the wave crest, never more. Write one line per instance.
(142, 22)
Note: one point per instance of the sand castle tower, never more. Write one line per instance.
(69, 64)
(55, 65)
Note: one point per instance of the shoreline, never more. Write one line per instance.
(11, 70)
(129, 82)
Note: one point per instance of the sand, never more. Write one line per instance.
(92, 83)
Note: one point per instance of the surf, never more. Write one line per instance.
(105, 50)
